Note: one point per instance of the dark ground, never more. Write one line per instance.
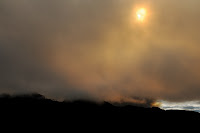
(34, 108)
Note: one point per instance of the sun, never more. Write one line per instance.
(141, 14)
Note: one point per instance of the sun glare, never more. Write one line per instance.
(141, 14)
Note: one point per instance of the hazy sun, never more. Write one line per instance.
(141, 14)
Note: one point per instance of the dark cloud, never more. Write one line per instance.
(95, 49)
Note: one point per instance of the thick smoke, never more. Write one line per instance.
(95, 49)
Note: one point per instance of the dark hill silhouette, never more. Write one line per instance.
(35, 107)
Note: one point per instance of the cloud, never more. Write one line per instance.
(190, 106)
(95, 49)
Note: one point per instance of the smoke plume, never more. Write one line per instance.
(94, 49)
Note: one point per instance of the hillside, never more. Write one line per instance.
(37, 107)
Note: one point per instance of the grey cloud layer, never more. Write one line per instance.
(95, 49)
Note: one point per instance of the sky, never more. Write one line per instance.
(98, 50)
(189, 105)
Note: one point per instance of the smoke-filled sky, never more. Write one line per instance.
(97, 49)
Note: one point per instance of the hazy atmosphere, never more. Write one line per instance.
(101, 49)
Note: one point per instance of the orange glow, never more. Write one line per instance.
(141, 14)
